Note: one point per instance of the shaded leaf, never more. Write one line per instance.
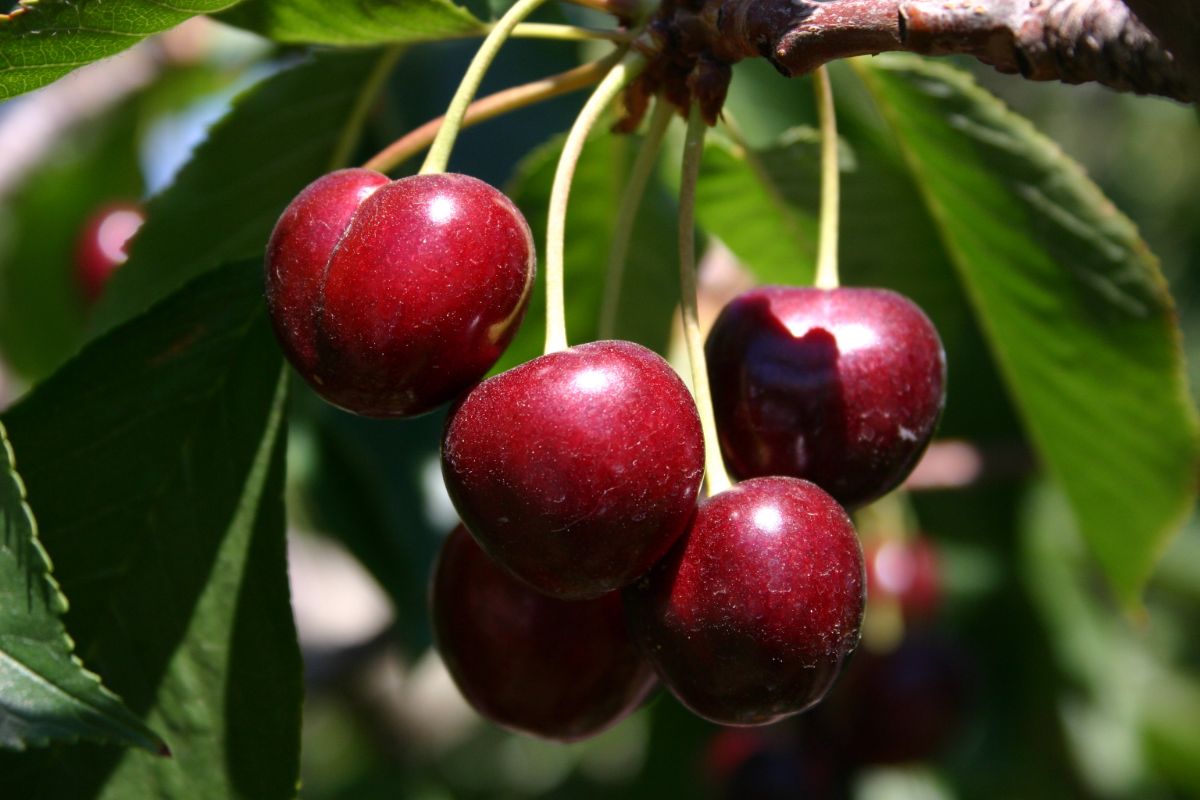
(279, 136)
(761, 204)
(1071, 301)
(165, 437)
(45, 693)
(42, 41)
(362, 22)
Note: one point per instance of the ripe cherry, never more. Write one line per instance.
(841, 387)
(393, 297)
(529, 662)
(905, 570)
(103, 246)
(576, 471)
(749, 618)
(896, 707)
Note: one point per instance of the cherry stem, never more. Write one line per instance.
(631, 200)
(567, 33)
(493, 105)
(827, 244)
(439, 152)
(693, 151)
(605, 93)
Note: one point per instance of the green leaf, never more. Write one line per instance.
(45, 693)
(651, 274)
(42, 314)
(42, 40)
(1071, 301)
(156, 460)
(280, 135)
(761, 203)
(362, 22)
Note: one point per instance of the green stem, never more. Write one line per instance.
(631, 200)
(566, 33)
(362, 106)
(827, 244)
(693, 151)
(605, 93)
(439, 152)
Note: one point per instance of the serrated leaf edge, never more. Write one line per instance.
(147, 740)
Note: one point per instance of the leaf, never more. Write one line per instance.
(1071, 301)
(280, 135)
(1131, 704)
(651, 276)
(45, 693)
(761, 204)
(156, 458)
(42, 314)
(42, 40)
(362, 22)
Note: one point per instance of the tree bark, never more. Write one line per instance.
(1074, 41)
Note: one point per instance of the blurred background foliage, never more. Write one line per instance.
(1029, 681)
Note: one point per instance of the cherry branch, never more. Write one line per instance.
(1075, 41)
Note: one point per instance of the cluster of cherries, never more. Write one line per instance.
(587, 565)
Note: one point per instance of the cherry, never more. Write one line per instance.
(103, 244)
(528, 662)
(895, 707)
(576, 471)
(393, 297)
(750, 616)
(841, 387)
(906, 571)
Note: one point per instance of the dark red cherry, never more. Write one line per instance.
(393, 297)
(528, 662)
(576, 471)
(841, 387)
(750, 616)
(905, 570)
(896, 707)
(103, 246)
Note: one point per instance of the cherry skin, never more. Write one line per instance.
(103, 246)
(841, 387)
(749, 618)
(895, 707)
(906, 571)
(528, 662)
(576, 471)
(393, 297)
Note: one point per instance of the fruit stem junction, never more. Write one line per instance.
(627, 209)
(693, 151)
(439, 152)
(827, 244)
(605, 93)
